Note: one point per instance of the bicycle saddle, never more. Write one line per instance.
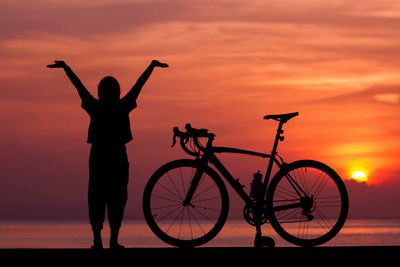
(281, 117)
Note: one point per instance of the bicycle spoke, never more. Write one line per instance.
(329, 202)
(173, 184)
(321, 185)
(169, 213)
(203, 191)
(206, 199)
(303, 230)
(204, 232)
(317, 180)
(288, 215)
(190, 223)
(180, 225)
(183, 180)
(166, 207)
(323, 219)
(284, 191)
(303, 181)
(166, 198)
(168, 190)
(217, 211)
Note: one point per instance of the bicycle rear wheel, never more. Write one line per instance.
(309, 203)
(179, 225)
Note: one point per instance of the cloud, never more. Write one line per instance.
(27, 18)
(372, 202)
(93, 18)
(384, 94)
(392, 98)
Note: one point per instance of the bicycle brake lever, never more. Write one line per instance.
(173, 140)
(183, 136)
(175, 130)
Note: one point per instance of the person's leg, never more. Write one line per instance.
(96, 199)
(117, 200)
(114, 230)
(97, 206)
(97, 241)
(115, 209)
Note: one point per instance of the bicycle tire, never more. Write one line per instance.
(185, 226)
(330, 203)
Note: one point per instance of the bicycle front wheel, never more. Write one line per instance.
(308, 202)
(185, 225)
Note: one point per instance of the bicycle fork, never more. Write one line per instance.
(203, 163)
(193, 185)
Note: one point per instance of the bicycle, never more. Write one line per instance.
(186, 203)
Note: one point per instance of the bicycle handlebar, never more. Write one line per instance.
(198, 132)
(191, 133)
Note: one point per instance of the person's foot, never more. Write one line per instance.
(116, 246)
(97, 246)
(97, 241)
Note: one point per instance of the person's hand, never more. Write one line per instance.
(58, 64)
(157, 63)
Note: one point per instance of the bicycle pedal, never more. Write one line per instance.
(264, 241)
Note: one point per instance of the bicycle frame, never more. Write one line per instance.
(228, 176)
(209, 156)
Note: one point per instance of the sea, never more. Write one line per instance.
(136, 233)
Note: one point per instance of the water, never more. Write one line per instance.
(76, 234)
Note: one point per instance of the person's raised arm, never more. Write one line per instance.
(133, 94)
(82, 91)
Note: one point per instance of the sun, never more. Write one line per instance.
(359, 176)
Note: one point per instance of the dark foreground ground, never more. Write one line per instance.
(224, 256)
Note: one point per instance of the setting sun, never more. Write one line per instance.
(359, 176)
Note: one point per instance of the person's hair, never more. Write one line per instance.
(109, 89)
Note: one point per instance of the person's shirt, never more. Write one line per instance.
(109, 122)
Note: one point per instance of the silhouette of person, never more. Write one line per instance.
(109, 131)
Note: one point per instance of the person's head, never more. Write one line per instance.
(109, 90)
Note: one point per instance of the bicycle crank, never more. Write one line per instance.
(250, 217)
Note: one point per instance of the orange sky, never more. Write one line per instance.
(231, 63)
